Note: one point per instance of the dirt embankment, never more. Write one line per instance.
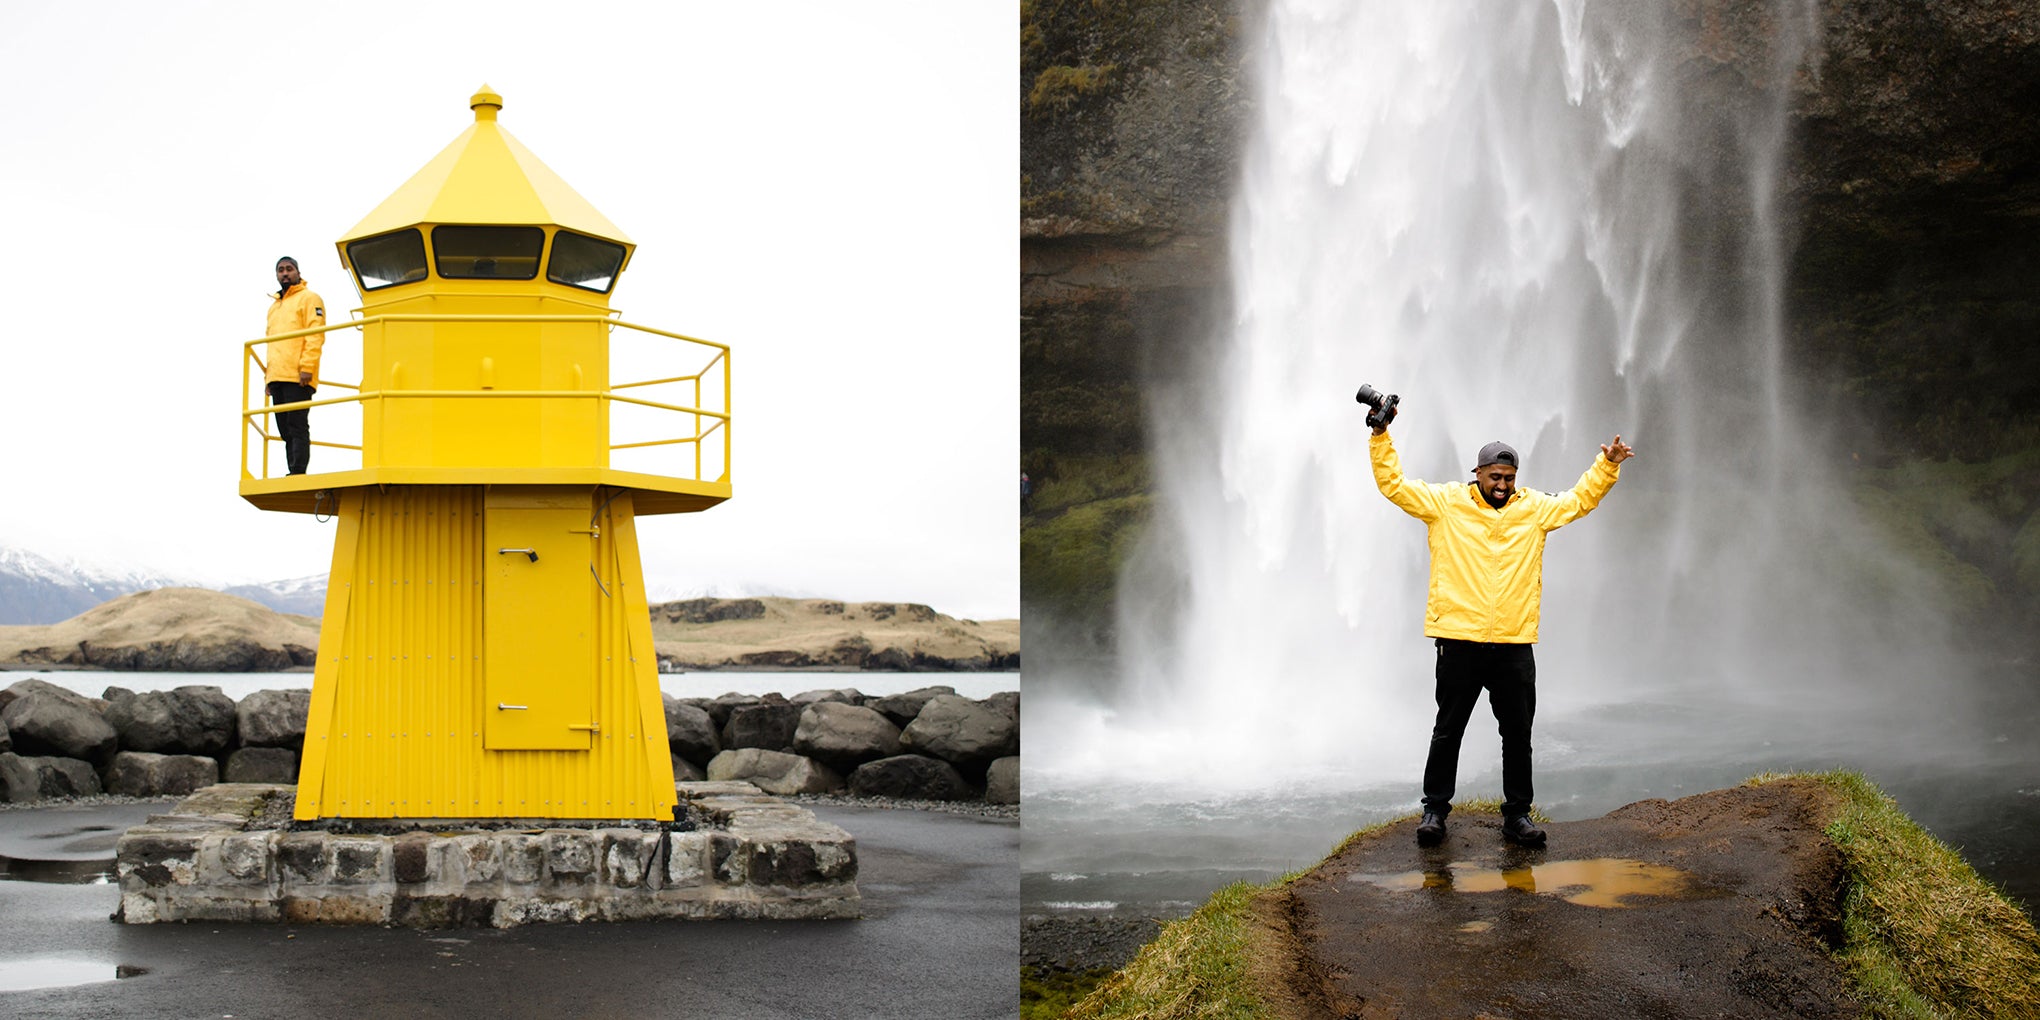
(202, 631)
(1716, 905)
(192, 630)
(781, 633)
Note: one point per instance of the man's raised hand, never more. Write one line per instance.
(1617, 451)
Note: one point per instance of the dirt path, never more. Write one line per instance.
(1475, 928)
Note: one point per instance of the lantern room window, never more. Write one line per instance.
(487, 253)
(585, 262)
(388, 260)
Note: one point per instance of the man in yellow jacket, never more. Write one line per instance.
(1487, 578)
(293, 373)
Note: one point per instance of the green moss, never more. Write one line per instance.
(1048, 994)
(1924, 936)
(1070, 560)
(1060, 87)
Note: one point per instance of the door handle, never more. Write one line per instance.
(533, 553)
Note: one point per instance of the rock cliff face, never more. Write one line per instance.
(1912, 189)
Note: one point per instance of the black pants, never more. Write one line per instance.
(294, 426)
(1509, 674)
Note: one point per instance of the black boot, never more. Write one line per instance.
(1520, 830)
(1431, 831)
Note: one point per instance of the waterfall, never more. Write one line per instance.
(1545, 224)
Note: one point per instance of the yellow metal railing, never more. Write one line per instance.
(257, 425)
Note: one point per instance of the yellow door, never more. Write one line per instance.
(538, 620)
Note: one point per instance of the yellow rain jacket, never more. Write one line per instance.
(1487, 565)
(293, 310)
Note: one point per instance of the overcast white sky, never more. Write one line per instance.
(825, 187)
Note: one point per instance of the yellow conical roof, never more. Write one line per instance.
(485, 176)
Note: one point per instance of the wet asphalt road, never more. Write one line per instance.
(940, 939)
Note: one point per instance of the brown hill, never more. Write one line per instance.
(197, 630)
(782, 633)
(192, 630)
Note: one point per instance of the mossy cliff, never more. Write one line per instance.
(1912, 195)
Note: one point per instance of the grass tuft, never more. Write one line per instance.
(1197, 967)
(1923, 935)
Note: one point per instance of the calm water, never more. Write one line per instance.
(92, 682)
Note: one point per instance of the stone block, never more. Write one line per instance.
(304, 858)
(245, 856)
(158, 858)
(628, 856)
(480, 857)
(408, 853)
(360, 860)
(570, 854)
(147, 774)
(726, 860)
(262, 765)
(523, 857)
(687, 863)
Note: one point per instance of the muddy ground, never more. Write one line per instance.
(1476, 928)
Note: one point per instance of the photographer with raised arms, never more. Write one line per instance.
(1487, 570)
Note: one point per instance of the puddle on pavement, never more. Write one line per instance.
(29, 975)
(19, 869)
(1602, 882)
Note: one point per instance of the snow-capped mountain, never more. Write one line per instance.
(37, 589)
(40, 589)
(304, 595)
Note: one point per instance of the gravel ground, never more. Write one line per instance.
(977, 808)
(1083, 943)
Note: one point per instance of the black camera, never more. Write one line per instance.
(1382, 403)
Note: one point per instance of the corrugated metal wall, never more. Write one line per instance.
(398, 713)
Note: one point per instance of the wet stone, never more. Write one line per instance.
(359, 859)
(570, 854)
(303, 856)
(410, 856)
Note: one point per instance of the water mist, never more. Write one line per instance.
(1541, 224)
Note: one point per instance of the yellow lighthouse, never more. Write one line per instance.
(486, 650)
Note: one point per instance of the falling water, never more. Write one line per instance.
(1546, 224)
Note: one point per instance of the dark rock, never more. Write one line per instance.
(768, 726)
(1007, 702)
(24, 779)
(274, 718)
(187, 655)
(685, 771)
(142, 774)
(720, 707)
(778, 658)
(711, 610)
(891, 660)
(902, 708)
(691, 732)
(843, 695)
(909, 776)
(843, 736)
(188, 720)
(262, 765)
(6, 738)
(60, 725)
(33, 685)
(775, 772)
(301, 656)
(113, 694)
(962, 732)
(1002, 781)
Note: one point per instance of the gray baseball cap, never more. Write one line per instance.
(1497, 452)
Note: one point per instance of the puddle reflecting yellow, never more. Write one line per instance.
(1602, 882)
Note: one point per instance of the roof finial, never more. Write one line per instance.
(485, 103)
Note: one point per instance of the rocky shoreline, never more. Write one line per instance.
(195, 630)
(924, 745)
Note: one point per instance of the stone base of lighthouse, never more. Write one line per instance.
(233, 853)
